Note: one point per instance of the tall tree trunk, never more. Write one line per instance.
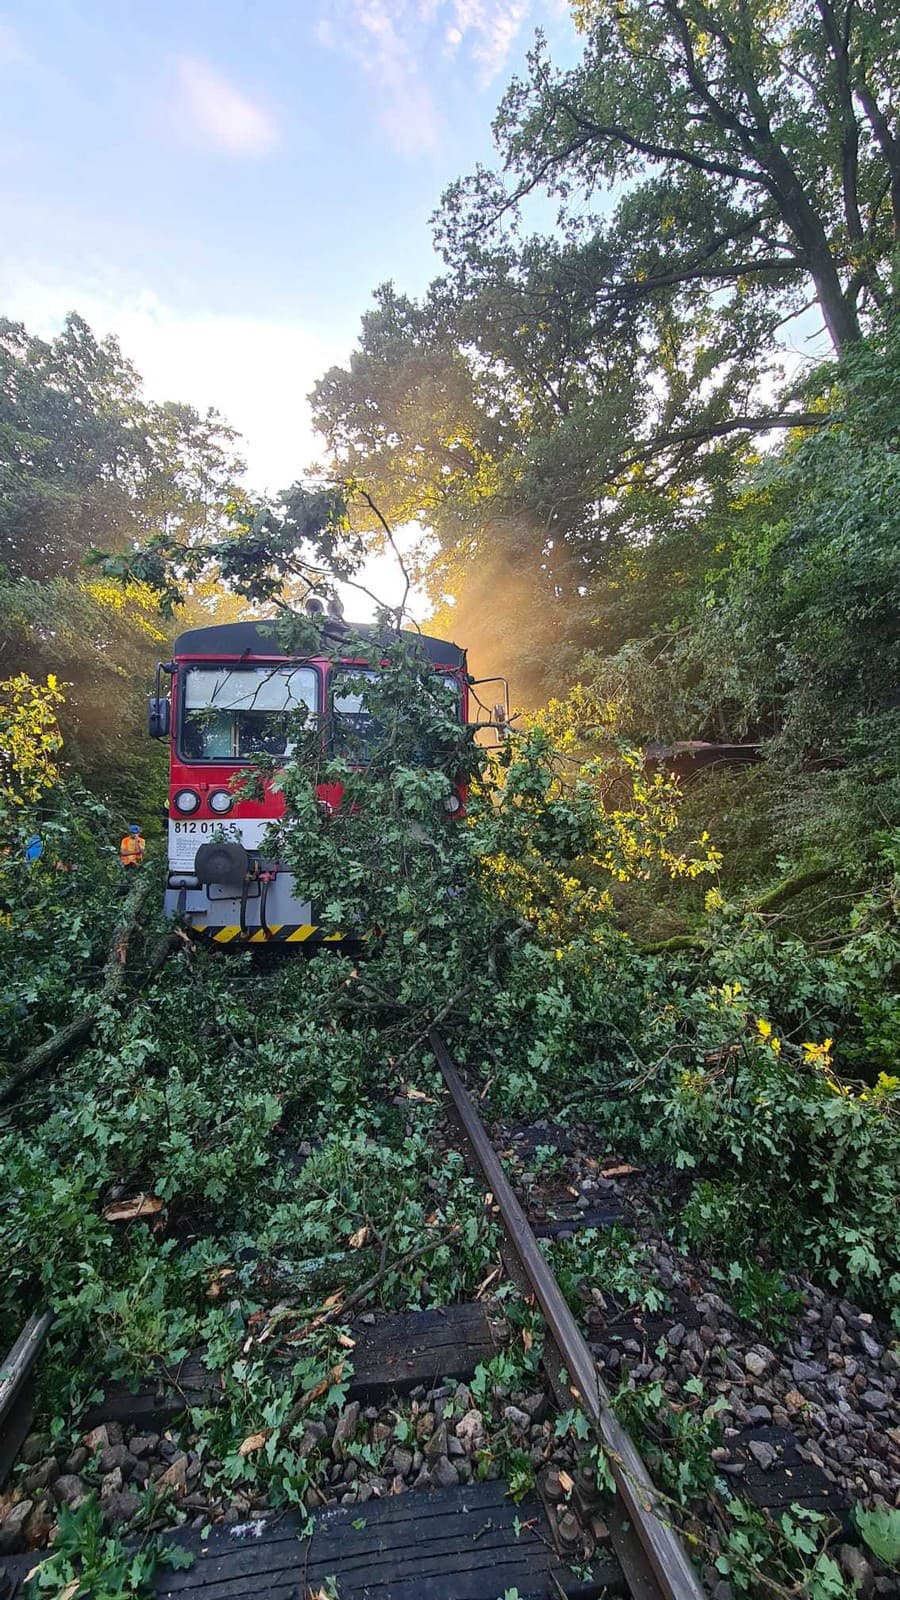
(888, 144)
(805, 223)
(839, 313)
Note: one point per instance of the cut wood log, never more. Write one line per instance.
(140, 1205)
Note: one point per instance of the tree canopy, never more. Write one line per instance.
(561, 400)
(86, 460)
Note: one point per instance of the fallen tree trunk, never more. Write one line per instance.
(74, 1033)
(167, 944)
(771, 900)
(788, 887)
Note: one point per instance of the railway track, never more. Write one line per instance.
(465, 1542)
(649, 1549)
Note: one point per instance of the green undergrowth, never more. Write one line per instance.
(678, 1431)
(622, 1278)
(760, 1554)
(88, 1560)
(56, 913)
(276, 1158)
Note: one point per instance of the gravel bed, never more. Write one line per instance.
(834, 1379)
(447, 1441)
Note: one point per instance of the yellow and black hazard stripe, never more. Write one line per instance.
(279, 933)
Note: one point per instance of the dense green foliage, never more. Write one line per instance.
(791, 630)
(283, 1116)
(85, 460)
(662, 535)
(577, 413)
(639, 510)
(88, 1561)
(56, 905)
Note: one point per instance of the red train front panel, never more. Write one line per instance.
(228, 712)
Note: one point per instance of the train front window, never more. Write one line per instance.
(355, 732)
(236, 713)
(357, 735)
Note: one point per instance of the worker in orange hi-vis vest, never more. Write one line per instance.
(131, 850)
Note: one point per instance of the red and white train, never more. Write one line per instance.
(232, 696)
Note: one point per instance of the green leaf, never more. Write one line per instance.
(881, 1531)
(174, 1555)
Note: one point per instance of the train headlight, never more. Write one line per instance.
(452, 804)
(221, 802)
(186, 801)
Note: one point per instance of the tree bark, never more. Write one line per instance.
(775, 173)
(888, 144)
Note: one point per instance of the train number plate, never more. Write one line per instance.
(185, 839)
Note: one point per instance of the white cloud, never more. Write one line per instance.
(256, 371)
(492, 27)
(393, 42)
(380, 43)
(217, 112)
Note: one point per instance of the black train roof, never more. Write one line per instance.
(260, 639)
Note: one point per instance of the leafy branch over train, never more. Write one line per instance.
(326, 780)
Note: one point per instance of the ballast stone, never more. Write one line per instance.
(756, 1363)
(121, 1505)
(444, 1474)
(36, 1446)
(762, 1453)
(116, 1455)
(175, 1475)
(346, 1428)
(857, 1570)
(807, 1371)
(436, 1444)
(519, 1419)
(39, 1523)
(41, 1475)
(70, 1490)
(470, 1429)
(12, 1528)
(142, 1444)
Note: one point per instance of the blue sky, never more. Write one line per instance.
(223, 184)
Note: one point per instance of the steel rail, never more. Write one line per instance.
(16, 1367)
(17, 1388)
(661, 1543)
